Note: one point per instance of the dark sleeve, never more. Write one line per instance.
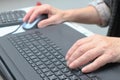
(108, 3)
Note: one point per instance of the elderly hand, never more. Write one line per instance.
(97, 49)
(55, 16)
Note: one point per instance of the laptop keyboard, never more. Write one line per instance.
(46, 59)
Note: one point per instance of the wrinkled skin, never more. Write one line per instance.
(99, 49)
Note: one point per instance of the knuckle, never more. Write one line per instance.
(104, 45)
(88, 55)
(81, 49)
(112, 53)
(47, 6)
(78, 42)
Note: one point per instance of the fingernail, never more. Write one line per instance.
(67, 63)
(84, 70)
(71, 65)
(23, 19)
(66, 57)
(29, 21)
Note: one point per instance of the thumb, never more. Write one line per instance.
(49, 21)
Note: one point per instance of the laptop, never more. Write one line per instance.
(38, 54)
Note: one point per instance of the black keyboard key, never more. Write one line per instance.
(84, 77)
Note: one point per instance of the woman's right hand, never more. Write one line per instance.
(55, 16)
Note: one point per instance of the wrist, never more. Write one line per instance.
(68, 15)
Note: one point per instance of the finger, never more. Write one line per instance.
(27, 16)
(86, 48)
(49, 21)
(99, 62)
(86, 58)
(76, 45)
(34, 14)
(43, 9)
